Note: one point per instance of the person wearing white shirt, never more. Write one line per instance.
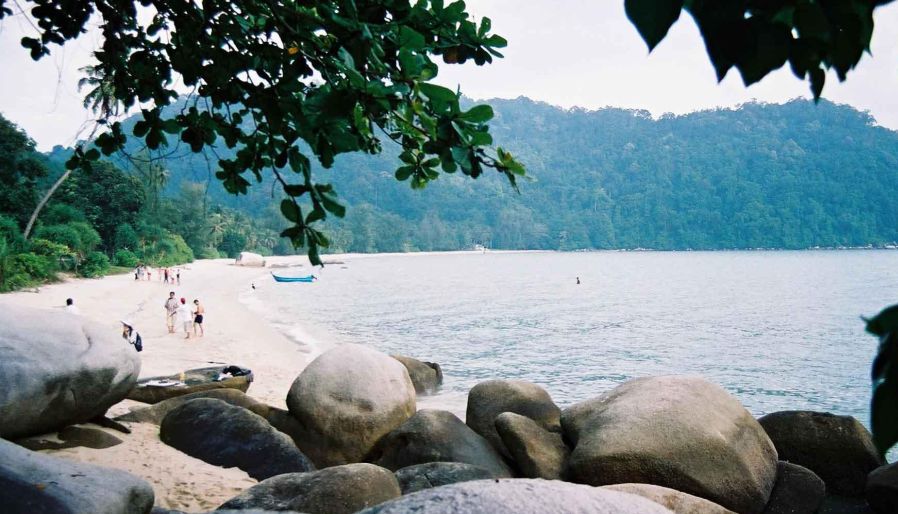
(70, 307)
(185, 317)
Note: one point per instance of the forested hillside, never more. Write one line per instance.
(761, 176)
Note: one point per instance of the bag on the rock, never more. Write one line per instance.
(138, 343)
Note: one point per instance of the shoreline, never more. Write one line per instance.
(235, 334)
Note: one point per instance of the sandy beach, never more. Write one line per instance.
(234, 335)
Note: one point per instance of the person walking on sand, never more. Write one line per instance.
(185, 317)
(198, 312)
(165, 275)
(178, 275)
(171, 310)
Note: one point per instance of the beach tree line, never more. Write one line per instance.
(107, 219)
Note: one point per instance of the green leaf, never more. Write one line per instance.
(290, 210)
(438, 93)
(333, 206)
(478, 114)
(404, 172)
(411, 38)
(653, 18)
(885, 322)
(884, 405)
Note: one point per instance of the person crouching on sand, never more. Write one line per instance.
(185, 317)
(198, 312)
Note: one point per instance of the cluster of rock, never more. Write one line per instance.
(352, 440)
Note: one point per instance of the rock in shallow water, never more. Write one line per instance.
(336, 490)
(427, 377)
(436, 436)
(222, 434)
(31, 482)
(837, 448)
(487, 400)
(518, 496)
(59, 369)
(436, 474)
(680, 432)
(347, 399)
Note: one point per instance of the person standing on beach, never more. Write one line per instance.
(185, 317)
(165, 275)
(178, 275)
(198, 312)
(70, 306)
(171, 310)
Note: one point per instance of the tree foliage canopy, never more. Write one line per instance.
(759, 36)
(280, 79)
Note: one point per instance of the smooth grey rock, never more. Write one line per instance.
(435, 474)
(279, 418)
(536, 452)
(336, 490)
(59, 369)
(837, 448)
(845, 505)
(427, 377)
(436, 436)
(31, 482)
(797, 491)
(518, 496)
(72, 437)
(487, 400)
(882, 489)
(347, 399)
(681, 432)
(671, 499)
(222, 434)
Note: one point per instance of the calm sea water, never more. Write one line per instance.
(779, 330)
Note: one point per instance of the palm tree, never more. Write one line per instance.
(101, 98)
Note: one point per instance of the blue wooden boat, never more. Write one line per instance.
(307, 278)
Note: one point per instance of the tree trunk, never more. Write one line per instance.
(43, 202)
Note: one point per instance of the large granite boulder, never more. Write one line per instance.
(347, 399)
(837, 448)
(518, 496)
(336, 490)
(882, 489)
(435, 474)
(487, 400)
(224, 435)
(59, 369)
(681, 432)
(797, 491)
(436, 436)
(32, 482)
(427, 377)
(675, 501)
(536, 452)
(280, 419)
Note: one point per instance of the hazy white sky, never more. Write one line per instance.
(565, 52)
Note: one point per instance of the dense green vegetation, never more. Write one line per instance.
(797, 175)
(104, 217)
